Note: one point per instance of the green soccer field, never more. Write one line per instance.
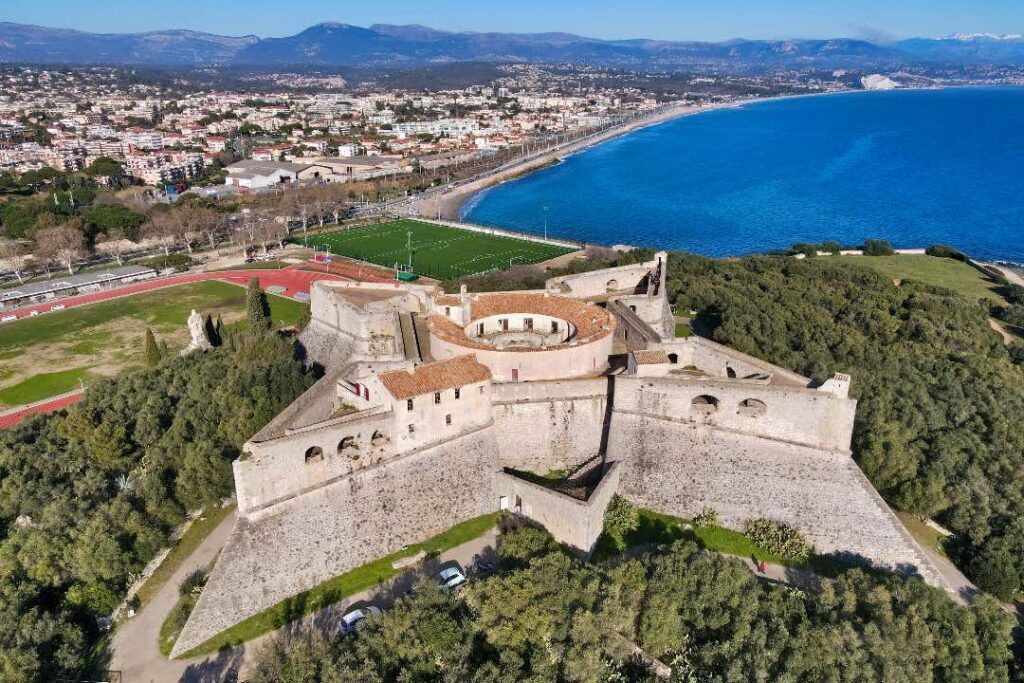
(437, 251)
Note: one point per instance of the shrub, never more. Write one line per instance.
(778, 538)
(832, 247)
(877, 248)
(621, 517)
(808, 249)
(943, 251)
(518, 545)
(707, 517)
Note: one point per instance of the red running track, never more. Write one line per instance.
(292, 279)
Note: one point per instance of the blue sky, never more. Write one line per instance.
(665, 19)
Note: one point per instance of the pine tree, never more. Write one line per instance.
(152, 350)
(256, 305)
(220, 330)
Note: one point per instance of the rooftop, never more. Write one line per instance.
(437, 376)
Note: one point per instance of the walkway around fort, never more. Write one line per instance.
(135, 645)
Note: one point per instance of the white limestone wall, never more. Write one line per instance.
(324, 533)
(678, 468)
(551, 425)
(574, 522)
(471, 410)
(716, 359)
(567, 361)
(598, 282)
(805, 416)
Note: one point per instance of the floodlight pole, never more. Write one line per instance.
(408, 246)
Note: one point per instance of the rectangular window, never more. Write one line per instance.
(528, 324)
(481, 388)
(447, 310)
(448, 420)
(480, 329)
(412, 428)
(458, 393)
(504, 324)
(554, 326)
(408, 404)
(437, 398)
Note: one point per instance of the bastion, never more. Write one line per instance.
(435, 407)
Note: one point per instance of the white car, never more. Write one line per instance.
(33, 313)
(352, 619)
(57, 307)
(452, 577)
(8, 318)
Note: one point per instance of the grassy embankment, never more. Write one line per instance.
(932, 270)
(336, 589)
(48, 354)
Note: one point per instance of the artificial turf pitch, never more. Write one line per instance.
(437, 251)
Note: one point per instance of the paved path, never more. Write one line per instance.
(135, 648)
(135, 651)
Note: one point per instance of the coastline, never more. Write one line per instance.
(450, 201)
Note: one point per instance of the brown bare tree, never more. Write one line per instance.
(63, 244)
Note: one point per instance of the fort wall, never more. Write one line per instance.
(804, 416)
(551, 425)
(678, 468)
(310, 538)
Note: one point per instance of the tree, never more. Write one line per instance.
(878, 248)
(211, 331)
(620, 517)
(152, 350)
(104, 166)
(257, 308)
(63, 243)
(15, 258)
(115, 242)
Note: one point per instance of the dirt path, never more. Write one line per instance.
(995, 325)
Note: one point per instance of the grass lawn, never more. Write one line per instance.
(41, 386)
(438, 251)
(925, 535)
(338, 588)
(181, 550)
(683, 330)
(47, 354)
(932, 270)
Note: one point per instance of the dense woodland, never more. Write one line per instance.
(87, 498)
(545, 616)
(940, 420)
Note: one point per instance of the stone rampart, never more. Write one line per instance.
(577, 523)
(678, 468)
(805, 416)
(716, 359)
(313, 537)
(549, 425)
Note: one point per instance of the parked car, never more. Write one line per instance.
(8, 318)
(57, 307)
(450, 578)
(33, 313)
(352, 619)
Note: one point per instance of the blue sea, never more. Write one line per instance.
(913, 167)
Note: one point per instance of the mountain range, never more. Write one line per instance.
(335, 44)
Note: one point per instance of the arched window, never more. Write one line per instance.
(673, 358)
(730, 372)
(611, 285)
(377, 439)
(314, 454)
(753, 407)
(349, 447)
(704, 404)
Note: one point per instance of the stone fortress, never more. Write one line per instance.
(433, 405)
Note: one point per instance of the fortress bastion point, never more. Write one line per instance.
(430, 402)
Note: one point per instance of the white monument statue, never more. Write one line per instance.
(198, 331)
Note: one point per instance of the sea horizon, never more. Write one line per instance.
(766, 174)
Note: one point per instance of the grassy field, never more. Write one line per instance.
(340, 587)
(438, 251)
(48, 354)
(941, 272)
(925, 535)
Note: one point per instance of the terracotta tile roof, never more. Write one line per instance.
(650, 356)
(591, 322)
(431, 377)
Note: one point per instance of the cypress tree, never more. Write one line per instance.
(165, 350)
(152, 350)
(220, 330)
(211, 331)
(256, 305)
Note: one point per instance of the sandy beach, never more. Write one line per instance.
(451, 198)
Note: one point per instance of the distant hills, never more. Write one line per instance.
(334, 44)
